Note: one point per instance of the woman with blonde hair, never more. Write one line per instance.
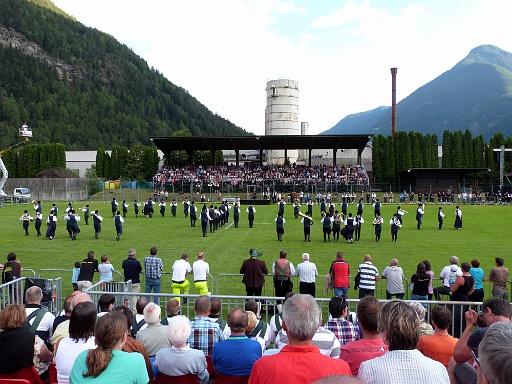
(249, 332)
(107, 363)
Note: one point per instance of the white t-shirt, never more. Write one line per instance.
(67, 353)
(201, 269)
(180, 268)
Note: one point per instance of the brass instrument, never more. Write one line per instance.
(306, 217)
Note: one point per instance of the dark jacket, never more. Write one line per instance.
(253, 270)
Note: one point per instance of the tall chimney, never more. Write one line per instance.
(393, 102)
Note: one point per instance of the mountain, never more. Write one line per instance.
(476, 94)
(80, 87)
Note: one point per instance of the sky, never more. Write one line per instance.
(223, 52)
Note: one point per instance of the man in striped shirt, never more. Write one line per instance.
(369, 275)
(307, 273)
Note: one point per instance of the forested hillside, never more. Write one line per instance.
(80, 87)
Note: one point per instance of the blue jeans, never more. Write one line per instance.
(153, 285)
(418, 297)
(341, 291)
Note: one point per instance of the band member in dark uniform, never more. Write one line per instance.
(419, 214)
(360, 207)
(205, 218)
(395, 226)
(440, 217)
(296, 208)
(344, 207)
(376, 208)
(136, 206)
(251, 211)
(97, 219)
(310, 208)
(39, 221)
(308, 222)
(185, 206)
(162, 205)
(118, 221)
(114, 204)
(349, 225)
(174, 206)
(150, 208)
(236, 214)
(193, 214)
(377, 223)
(358, 221)
(458, 218)
(280, 226)
(336, 226)
(125, 208)
(326, 226)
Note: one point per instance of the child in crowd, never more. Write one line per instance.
(74, 276)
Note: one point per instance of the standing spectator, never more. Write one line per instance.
(105, 269)
(153, 268)
(369, 275)
(371, 345)
(431, 273)
(399, 325)
(299, 359)
(498, 276)
(74, 275)
(254, 271)
(87, 269)
(479, 276)
(440, 345)
(282, 270)
(343, 329)
(464, 286)
(205, 333)
(180, 284)
(201, 270)
(420, 282)
(237, 354)
(180, 359)
(12, 271)
(340, 271)
(307, 273)
(132, 270)
(394, 276)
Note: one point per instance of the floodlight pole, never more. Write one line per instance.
(502, 151)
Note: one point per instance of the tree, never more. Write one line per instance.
(447, 150)
(457, 160)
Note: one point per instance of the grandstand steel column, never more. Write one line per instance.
(282, 116)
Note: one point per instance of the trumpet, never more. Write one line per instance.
(306, 217)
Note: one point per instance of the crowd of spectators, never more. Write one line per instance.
(258, 174)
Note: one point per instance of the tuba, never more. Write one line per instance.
(306, 217)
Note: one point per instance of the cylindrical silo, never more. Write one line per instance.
(304, 128)
(282, 115)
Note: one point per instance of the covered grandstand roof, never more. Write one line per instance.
(244, 143)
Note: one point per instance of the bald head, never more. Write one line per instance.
(394, 262)
(367, 257)
(80, 298)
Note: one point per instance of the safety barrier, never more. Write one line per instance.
(13, 292)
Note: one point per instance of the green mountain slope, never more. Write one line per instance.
(476, 94)
(79, 86)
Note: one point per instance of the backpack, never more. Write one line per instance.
(222, 324)
(137, 326)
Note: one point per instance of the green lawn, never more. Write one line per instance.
(485, 235)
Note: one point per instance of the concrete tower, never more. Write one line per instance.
(282, 115)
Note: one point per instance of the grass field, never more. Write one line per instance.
(485, 235)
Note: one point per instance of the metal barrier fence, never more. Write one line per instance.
(13, 293)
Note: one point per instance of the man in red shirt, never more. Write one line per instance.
(340, 270)
(299, 360)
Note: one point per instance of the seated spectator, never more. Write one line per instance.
(495, 354)
(371, 345)
(67, 312)
(154, 336)
(20, 348)
(299, 362)
(439, 346)
(81, 338)
(205, 333)
(107, 363)
(276, 321)
(262, 329)
(138, 320)
(62, 329)
(131, 344)
(215, 310)
(495, 310)
(172, 308)
(236, 355)
(251, 332)
(399, 325)
(180, 359)
(40, 320)
(343, 329)
(105, 303)
(425, 328)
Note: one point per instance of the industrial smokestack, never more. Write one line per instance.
(393, 102)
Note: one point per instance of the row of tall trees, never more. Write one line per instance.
(413, 150)
(139, 163)
(29, 160)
